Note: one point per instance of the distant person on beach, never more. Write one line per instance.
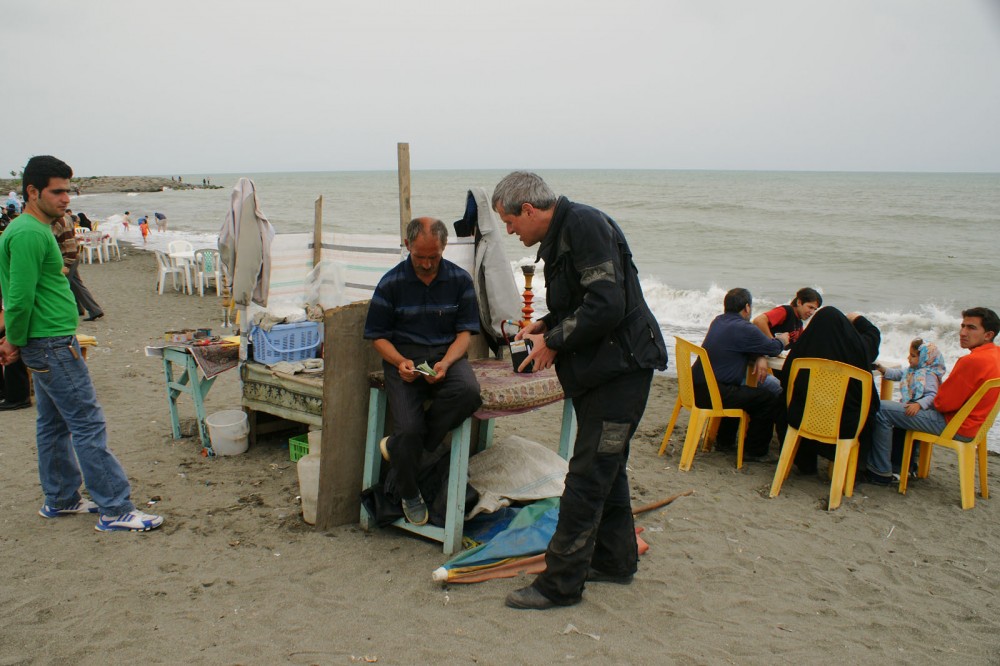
(126, 221)
(977, 333)
(144, 228)
(733, 344)
(41, 323)
(849, 339)
(12, 200)
(161, 221)
(605, 343)
(63, 230)
(422, 315)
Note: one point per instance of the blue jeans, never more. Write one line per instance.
(893, 415)
(70, 419)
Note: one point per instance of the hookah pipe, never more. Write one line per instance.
(529, 273)
(523, 347)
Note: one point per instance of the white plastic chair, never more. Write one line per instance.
(181, 255)
(111, 243)
(167, 267)
(208, 266)
(92, 243)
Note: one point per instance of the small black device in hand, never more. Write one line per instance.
(519, 350)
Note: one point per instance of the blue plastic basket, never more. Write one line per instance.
(285, 342)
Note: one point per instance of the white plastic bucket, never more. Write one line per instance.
(228, 432)
(308, 467)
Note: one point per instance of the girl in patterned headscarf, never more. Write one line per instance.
(918, 384)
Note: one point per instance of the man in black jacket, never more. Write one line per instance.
(605, 343)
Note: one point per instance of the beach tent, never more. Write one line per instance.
(245, 246)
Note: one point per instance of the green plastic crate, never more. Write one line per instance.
(298, 446)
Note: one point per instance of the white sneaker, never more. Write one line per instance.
(83, 506)
(133, 521)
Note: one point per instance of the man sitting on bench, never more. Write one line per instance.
(421, 317)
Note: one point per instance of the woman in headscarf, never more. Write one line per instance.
(85, 221)
(850, 339)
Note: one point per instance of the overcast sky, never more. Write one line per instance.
(124, 87)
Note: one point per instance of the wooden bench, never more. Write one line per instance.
(504, 393)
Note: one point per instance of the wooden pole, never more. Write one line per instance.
(656, 505)
(405, 213)
(318, 232)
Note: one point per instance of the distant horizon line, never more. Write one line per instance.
(206, 174)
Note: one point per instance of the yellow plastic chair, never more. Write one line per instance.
(967, 452)
(825, 395)
(701, 417)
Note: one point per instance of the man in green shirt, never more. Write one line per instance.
(41, 319)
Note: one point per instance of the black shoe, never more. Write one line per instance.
(7, 405)
(765, 457)
(94, 317)
(528, 598)
(877, 479)
(595, 576)
(415, 510)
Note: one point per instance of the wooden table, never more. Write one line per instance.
(184, 259)
(778, 363)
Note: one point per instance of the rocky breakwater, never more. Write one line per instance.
(107, 184)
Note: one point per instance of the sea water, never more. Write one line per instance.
(909, 251)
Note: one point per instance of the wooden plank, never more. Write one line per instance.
(318, 232)
(403, 170)
(348, 360)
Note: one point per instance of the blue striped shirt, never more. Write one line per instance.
(404, 310)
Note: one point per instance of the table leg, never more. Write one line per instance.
(373, 457)
(458, 477)
(885, 391)
(172, 394)
(199, 389)
(188, 382)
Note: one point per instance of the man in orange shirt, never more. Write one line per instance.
(978, 330)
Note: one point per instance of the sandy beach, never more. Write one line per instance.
(236, 577)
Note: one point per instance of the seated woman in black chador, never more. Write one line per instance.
(850, 339)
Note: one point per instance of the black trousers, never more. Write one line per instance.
(595, 526)
(415, 430)
(760, 404)
(84, 299)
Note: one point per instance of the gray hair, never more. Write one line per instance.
(519, 188)
(427, 225)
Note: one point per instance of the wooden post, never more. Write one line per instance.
(318, 232)
(405, 213)
(348, 358)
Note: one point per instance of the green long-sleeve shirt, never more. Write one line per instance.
(37, 299)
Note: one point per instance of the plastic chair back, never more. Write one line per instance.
(991, 386)
(967, 452)
(825, 394)
(685, 369)
(180, 246)
(701, 418)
